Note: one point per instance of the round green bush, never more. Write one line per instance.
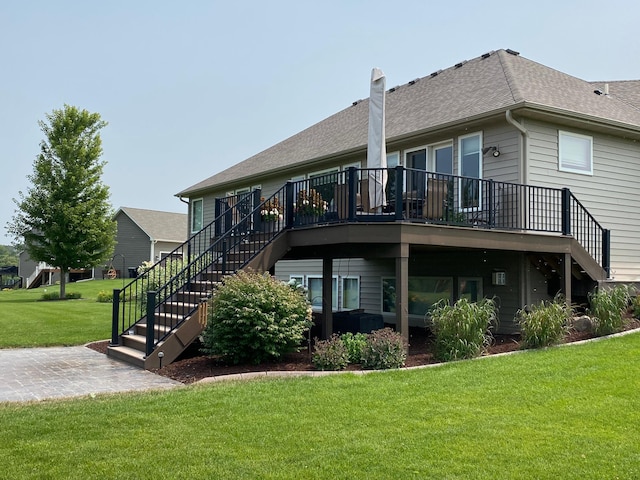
(255, 317)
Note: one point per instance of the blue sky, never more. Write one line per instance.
(191, 88)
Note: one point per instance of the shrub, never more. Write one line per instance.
(105, 297)
(55, 295)
(254, 317)
(354, 343)
(635, 305)
(544, 324)
(155, 276)
(607, 307)
(462, 330)
(384, 349)
(330, 354)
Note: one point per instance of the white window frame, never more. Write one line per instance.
(298, 278)
(588, 169)
(406, 164)
(431, 155)
(193, 214)
(391, 154)
(334, 286)
(416, 149)
(480, 171)
(343, 306)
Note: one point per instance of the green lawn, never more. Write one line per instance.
(560, 413)
(26, 321)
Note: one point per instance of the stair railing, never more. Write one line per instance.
(183, 270)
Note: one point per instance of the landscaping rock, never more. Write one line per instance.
(582, 324)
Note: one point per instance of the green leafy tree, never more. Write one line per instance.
(8, 256)
(65, 218)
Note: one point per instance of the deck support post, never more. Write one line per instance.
(402, 291)
(327, 297)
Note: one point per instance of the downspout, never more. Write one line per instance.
(524, 179)
(524, 170)
(153, 250)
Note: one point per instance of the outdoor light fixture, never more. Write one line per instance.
(494, 150)
(160, 356)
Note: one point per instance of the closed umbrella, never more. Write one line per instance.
(376, 147)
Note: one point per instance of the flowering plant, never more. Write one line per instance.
(310, 203)
(271, 210)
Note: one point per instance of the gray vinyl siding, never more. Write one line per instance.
(132, 244)
(611, 194)
(506, 167)
(26, 267)
(164, 248)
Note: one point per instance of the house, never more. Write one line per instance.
(142, 236)
(145, 236)
(505, 179)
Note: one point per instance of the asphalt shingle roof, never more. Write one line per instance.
(489, 84)
(164, 226)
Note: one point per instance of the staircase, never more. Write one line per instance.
(159, 314)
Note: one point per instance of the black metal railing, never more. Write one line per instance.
(420, 196)
(168, 292)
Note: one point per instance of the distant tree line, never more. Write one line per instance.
(8, 256)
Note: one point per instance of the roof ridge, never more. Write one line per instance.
(510, 77)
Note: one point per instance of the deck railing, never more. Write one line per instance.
(418, 196)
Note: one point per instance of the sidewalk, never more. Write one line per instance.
(28, 374)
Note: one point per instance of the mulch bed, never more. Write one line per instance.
(192, 365)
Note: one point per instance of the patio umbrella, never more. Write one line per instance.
(376, 147)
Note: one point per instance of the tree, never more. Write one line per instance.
(8, 256)
(65, 218)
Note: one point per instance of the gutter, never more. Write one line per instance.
(524, 173)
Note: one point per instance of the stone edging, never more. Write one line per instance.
(324, 373)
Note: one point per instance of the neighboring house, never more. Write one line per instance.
(35, 274)
(142, 236)
(145, 236)
(506, 179)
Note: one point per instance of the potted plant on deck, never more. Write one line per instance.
(270, 213)
(309, 207)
